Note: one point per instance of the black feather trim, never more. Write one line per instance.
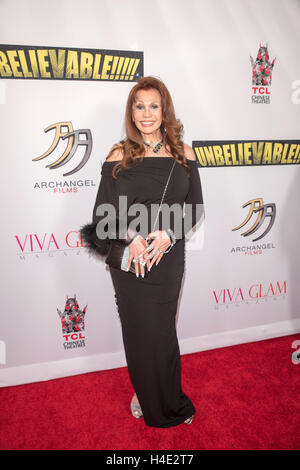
(92, 243)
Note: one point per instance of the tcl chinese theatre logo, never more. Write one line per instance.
(262, 69)
(73, 324)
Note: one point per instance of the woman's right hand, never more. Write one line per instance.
(136, 247)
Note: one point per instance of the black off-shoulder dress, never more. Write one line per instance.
(147, 306)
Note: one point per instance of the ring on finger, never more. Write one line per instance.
(154, 253)
(141, 258)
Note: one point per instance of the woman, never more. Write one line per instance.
(138, 167)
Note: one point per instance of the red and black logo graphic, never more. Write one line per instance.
(261, 75)
(73, 324)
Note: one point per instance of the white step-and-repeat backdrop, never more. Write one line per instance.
(66, 68)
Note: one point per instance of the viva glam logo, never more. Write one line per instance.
(47, 243)
(257, 293)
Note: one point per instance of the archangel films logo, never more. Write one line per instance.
(261, 76)
(64, 132)
(73, 143)
(260, 212)
(73, 324)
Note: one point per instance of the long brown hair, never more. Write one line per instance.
(171, 128)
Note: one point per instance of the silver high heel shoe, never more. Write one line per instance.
(136, 410)
(189, 420)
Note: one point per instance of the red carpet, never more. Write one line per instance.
(246, 396)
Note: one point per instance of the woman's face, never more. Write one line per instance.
(147, 113)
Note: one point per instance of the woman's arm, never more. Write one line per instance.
(194, 207)
(107, 209)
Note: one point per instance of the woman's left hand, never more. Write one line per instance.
(156, 249)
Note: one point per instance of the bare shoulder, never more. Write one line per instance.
(189, 152)
(115, 153)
